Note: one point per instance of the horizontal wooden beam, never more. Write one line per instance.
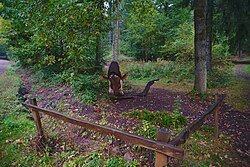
(161, 147)
(184, 135)
(241, 61)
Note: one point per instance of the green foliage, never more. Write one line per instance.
(114, 162)
(171, 71)
(219, 78)
(232, 20)
(60, 34)
(141, 24)
(163, 119)
(98, 159)
(220, 49)
(182, 45)
(87, 87)
(146, 130)
(247, 69)
(10, 84)
(3, 50)
(15, 129)
(203, 150)
(147, 31)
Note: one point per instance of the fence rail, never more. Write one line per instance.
(162, 146)
(184, 135)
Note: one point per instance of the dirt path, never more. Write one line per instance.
(3, 65)
(240, 73)
(232, 122)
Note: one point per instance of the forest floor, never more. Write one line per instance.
(232, 122)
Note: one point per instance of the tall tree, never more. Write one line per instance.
(98, 34)
(234, 22)
(200, 83)
(209, 29)
(117, 30)
(112, 30)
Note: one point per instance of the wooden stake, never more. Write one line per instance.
(37, 120)
(161, 159)
(216, 119)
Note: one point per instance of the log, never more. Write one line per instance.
(142, 94)
(241, 61)
(146, 89)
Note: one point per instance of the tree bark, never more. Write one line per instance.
(209, 33)
(200, 83)
(112, 32)
(98, 36)
(117, 33)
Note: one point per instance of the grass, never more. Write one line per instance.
(98, 159)
(203, 150)
(247, 69)
(174, 78)
(16, 130)
(237, 94)
(153, 120)
(169, 70)
(17, 135)
(162, 119)
(86, 87)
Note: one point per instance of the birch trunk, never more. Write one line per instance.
(117, 39)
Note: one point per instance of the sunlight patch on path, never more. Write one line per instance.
(3, 65)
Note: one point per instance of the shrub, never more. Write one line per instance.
(175, 72)
(163, 119)
(219, 78)
(181, 48)
(87, 87)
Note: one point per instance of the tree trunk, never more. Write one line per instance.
(117, 33)
(98, 36)
(112, 32)
(209, 33)
(200, 83)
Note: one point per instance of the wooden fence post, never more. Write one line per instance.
(216, 119)
(37, 120)
(161, 160)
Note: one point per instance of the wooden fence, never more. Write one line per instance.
(163, 147)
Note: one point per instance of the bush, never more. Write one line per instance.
(181, 48)
(173, 71)
(87, 87)
(219, 78)
(163, 119)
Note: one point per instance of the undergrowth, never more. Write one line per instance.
(97, 159)
(153, 120)
(175, 71)
(87, 87)
(203, 150)
(16, 130)
(17, 135)
(163, 119)
(171, 71)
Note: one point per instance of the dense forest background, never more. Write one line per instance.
(72, 40)
(77, 35)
